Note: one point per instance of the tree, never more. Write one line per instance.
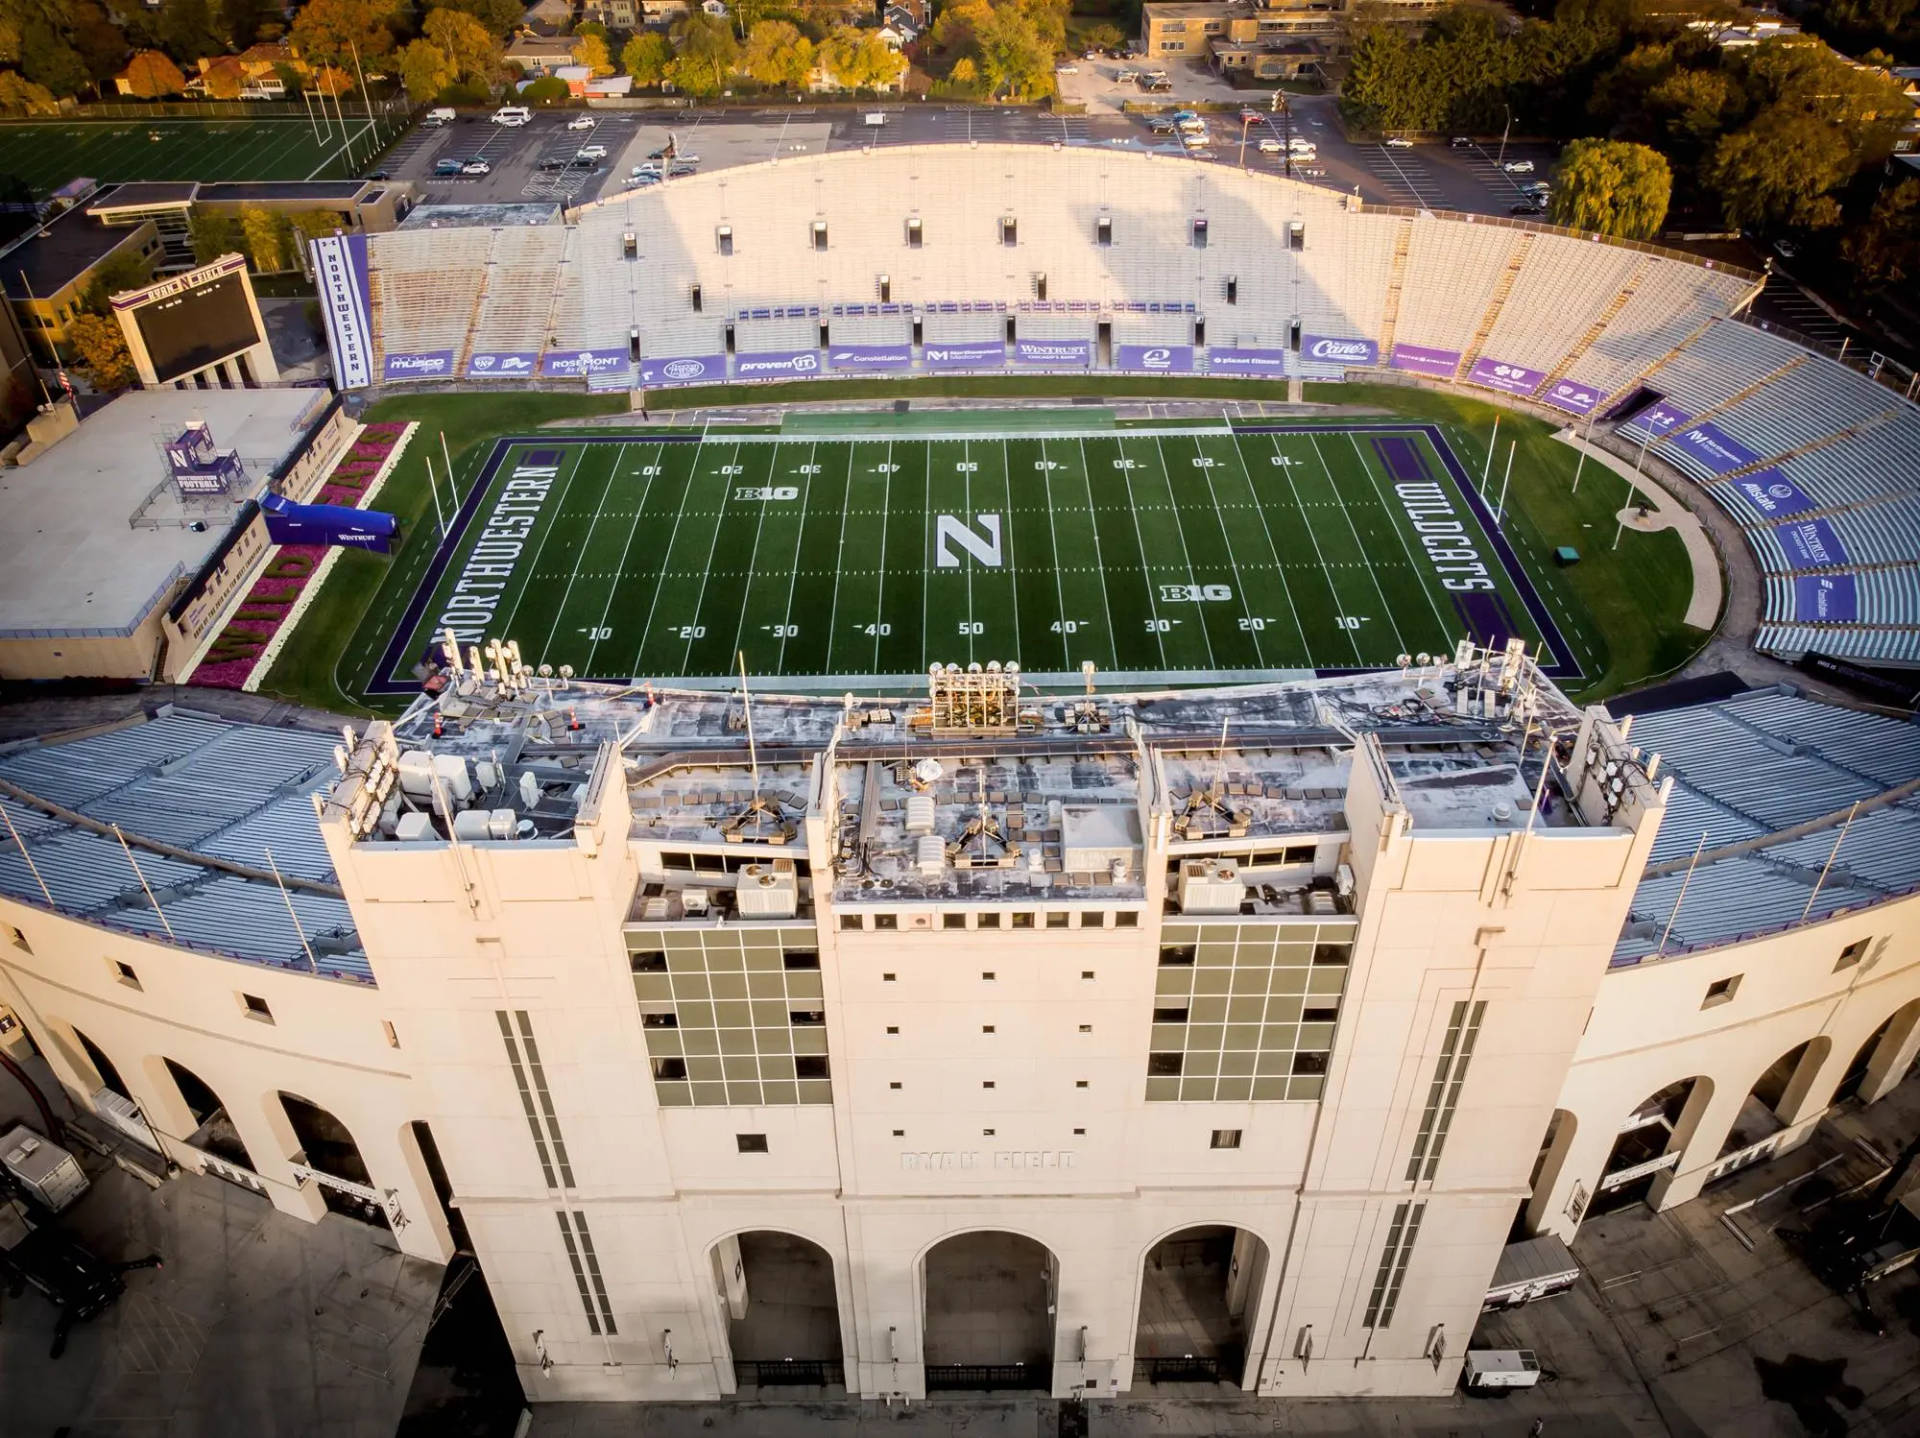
(20, 96)
(1105, 37)
(424, 69)
(1612, 187)
(47, 59)
(645, 58)
(471, 49)
(1781, 170)
(545, 91)
(269, 239)
(1886, 249)
(964, 72)
(328, 32)
(777, 55)
(860, 60)
(150, 75)
(212, 234)
(591, 51)
(101, 349)
(704, 54)
(499, 16)
(224, 79)
(1014, 59)
(242, 20)
(187, 30)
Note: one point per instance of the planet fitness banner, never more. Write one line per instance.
(774, 363)
(1719, 451)
(502, 364)
(431, 364)
(1159, 359)
(1512, 378)
(1573, 398)
(1811, 543)
(1054, 354)
(1418, 359)
(1825, 599)
(1333, 349)
(1773, 494)
(1271, 364)
(582, 364)
(870, 357)
(682, 369)
(990, 354)
(340, 269)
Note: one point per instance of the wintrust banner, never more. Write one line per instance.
(1774, 495)
(1158, 359)
(1054, 354)
(340, 271)
(979, 355)
(1512, 378)
(772, 364)
(431, 364)
(1811, 543)
(1573, 398)
(1418, 359)
(1713, 447)
(870, 357)
(682, 369)
(1266, 364)
(1330, 349)
(1825, 599)
(502, 364)
(582, 364)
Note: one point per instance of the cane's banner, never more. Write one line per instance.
(1333, 349)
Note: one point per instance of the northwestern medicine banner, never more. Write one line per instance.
(1418, 359)
(1055, 354)
(768, 364)
(682, 369)
(582, 364)
(1511, 378)
(1825, 599)
(977, 354)
(870, 357)
(1811, 543)
(1158, 359)
(1333, 349)
(1268, 363)
(429, 364)
(1773, 494)
(502, 364)
(1719, 451)
(1573, 398)
(340, 271)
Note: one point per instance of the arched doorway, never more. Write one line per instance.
(1545, 1178)
(781, 1307)
(1769, 1107)
(988, 1311)
(1199, 1292)
(103, 1066)
(1649, 1145)
(215, 1133)
(329, 1153)
(1870, 1075)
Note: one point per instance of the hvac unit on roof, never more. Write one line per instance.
(1210, 886)
(768, 891)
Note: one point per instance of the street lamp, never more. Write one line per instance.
(1503, 134)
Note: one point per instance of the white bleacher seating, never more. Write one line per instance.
(1565, 285)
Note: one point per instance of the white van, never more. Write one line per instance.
(512, 115)
(442, 116)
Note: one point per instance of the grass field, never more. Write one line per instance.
(45, 155)
(1158, 555)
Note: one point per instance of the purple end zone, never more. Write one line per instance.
(1402, 458)
(1486, 618)
(543, 456)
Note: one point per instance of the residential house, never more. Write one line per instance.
(540, 55)
(614, 14)
(1230, 34)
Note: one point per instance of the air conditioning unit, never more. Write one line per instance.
(768, 891)
(693, 902)
(1210, 886)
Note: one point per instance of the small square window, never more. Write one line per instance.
(953, 921)
(851, 921)
(668, 1070)
(988, 921)
(1086, 1028)
(1086, 974)
(1127, 919)
(1225, 1138)
(256, 1008)
(751, 1142)
(1080, 1083)
(894, 1084)
(986, 1028)
(886, 921)
(659, 1021)
(124, 972)
(1319, 1016)
(820, 234)
(986, 1133)
(1079, 1133)
(1331, 954)
(987, 974)
(1852, 954)
(899, 1133)
(810, 1066)
(1058, 920)
(1721, 991)
(1023, 921)
(1173, 1016)
(1310, 1063)
(915, 234)
(800, 959)
(806, 1018)
(893, 1028)
(986, 1083)
(1163, 1065)
(650, 962)
(889, 978)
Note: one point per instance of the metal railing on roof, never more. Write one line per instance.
(1510, 222)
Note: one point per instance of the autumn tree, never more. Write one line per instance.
(20, 96)
(269, 239)
(1886, 249)
(329, 32)
(1612, 187)
(776, 55)
(1014, 59)
(499, 16)
(1781, 170)
(212, 233)
(242, 21)
(188, 31)
(424, 69)
(150, 74)
(645, 57)
(860, 60)
(704, 54)
(591, 51)
(472, 51)
(101, 350)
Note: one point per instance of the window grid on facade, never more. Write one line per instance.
(1245, 990)
(1443, 1094)
(586, 1273)
(530, 1079)
(537, 1072)
(747, 1008)
(1393, 1264)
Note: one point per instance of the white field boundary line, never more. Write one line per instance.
(1233, 559)
(1399, 640)
(1193, 579)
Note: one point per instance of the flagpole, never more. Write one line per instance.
(1486, 470)
(288, 900)
(128, 850)
(438, 516)
(1821, 881)
(32, 868)
(1681, 897)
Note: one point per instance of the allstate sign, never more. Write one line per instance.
(1335, 349)
(430, 364)
(1156, 359)
(682, 369)
(501, 364)
(579, 364)
(769, 363)
(1772, 494)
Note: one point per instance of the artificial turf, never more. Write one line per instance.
(46, 154)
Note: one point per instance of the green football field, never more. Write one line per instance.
(46, 154)
(1175, 554)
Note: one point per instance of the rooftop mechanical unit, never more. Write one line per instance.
(768, 891)
(1210, 886)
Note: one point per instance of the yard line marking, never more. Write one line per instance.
(1146, 570)
(1239, 585)
(1192, 578)
(1307, 524)
(606, 610)
(586, 543)
(1399, 640)
(793, 565)
(1106, 601)
(506, 627)
(713, 548)
(1293, 609)
(966, 475)
(753, 557)
(1407, 548)
(926, 537)
(1059, 584)
(660, 582)
(1013, 571)
(880, 588)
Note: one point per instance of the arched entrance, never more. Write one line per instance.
(1649, 1145)
(103, 1066)
(1199, 1292)
(1771, 1105)
(988, 1311)
(332, 1158)
(1871, 1073)
(1547, 1166)
(781, 1308)
(215, 1133)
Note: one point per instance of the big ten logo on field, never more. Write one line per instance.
(984, 547)
(766, 492)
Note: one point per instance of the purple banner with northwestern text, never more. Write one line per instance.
(1825, 599)
(502, 364)
(659, 371)
(774, 363)
(1811, 544)
(1719, 451)
(1512, 378)
(1419, 359)
(428, 364)
(1271, 364)
(977, 354)
(1573, 398)
(1774, 495)
(1337, 349)
(1157, 359)
(582, 364)
(870, 357)
(1054, 354)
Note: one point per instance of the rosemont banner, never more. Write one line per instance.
(1825, 599)
(1418, 359)
(430, 364)
(1512, 378)
(1272, 363)
(502, 364)
(1774, 495)
(582, 364)
(1811, 543)
(1331, 349)
(1719, 451)
(987, 354)
(774, 363)
(870, 357)
(682, 369)
(1159, 359)
(1573, 398)
(1056, 354)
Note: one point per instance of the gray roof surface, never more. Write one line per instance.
(1757, 765)
(59, 253)
(225, 789)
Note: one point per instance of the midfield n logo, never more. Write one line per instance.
(986, 550)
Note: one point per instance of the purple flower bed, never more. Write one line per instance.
(236, 649)
(358, 466)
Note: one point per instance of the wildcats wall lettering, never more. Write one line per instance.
(470, 608)
(1442, 534)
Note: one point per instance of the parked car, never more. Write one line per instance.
(591, 152)
(1460, 142)
(1270, 147)
(582, 122)
(683, 167)
(1786, 249)
(640, 182)
(659, 154)
(512, 115)
(1528, 208)
(1302, 146)
(1519, 167)
(1066, 69)
(476, 167)
(1162, 127)
(1397, 143)
(442, 116)
(1124, 77)
(446, 167)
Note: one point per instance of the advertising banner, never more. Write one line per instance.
(290, 523)
(976, 354)
(1661, 418)
(1333, 349)
(430, 364)
(1825, 599)
(1773, 494)
(1054, 354)
(1811, 543)
(1573, 398)
(340, 271)
(502, 364)
(1419, 359)
(870, 357)
(1719, 451)
(682, 369)
(1269, 364)
(772, 364)
(582, 364)
(1159, 359)
(1512, 378)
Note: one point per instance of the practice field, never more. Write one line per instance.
(1175, 555)
(45, 155)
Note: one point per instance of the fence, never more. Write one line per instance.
(1188, 1368)
(785, 1372)
(987, 1377)
(1875, 366)
(207, 110)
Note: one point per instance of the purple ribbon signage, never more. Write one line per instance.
(870, 357)
(501, 364)
(1573, 398)
(429, 364)
(1774, 495)
(768, 363)
(1661, 418)
(1825, 599)
(1269, 363)
(1336, 349)
(1498, 374)
(1157, 359)
(582, 364)
(659, 372)
(1714, 448)
(346, 301)
(1418, 359)
(1054, 354)
(976, 354)
(1811, 543)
